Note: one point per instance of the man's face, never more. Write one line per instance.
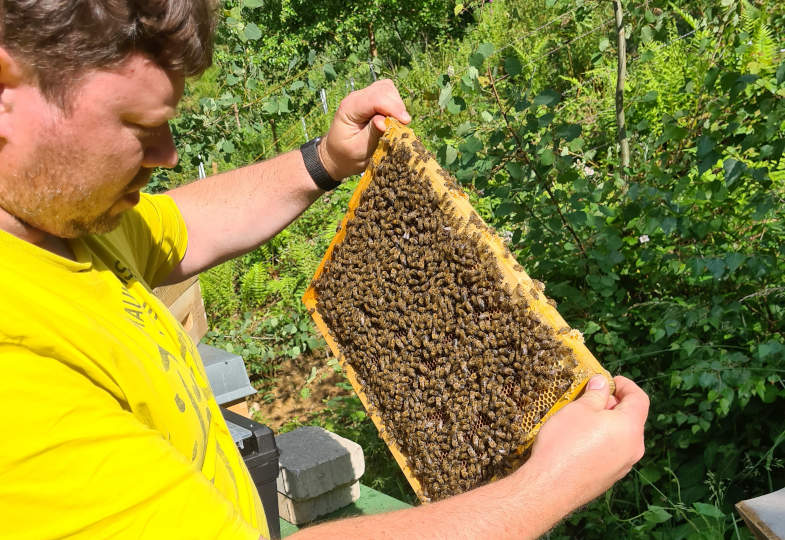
(70, 173)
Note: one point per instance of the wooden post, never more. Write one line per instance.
(236, 115)
(621, 74)
(275, 136)
(372, 40)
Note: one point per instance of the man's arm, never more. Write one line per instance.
(579, 453)
(232, 213)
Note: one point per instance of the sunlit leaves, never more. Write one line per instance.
(251, 32)
(469, 81)
(277, 106)
(733, 169)
(547, 97)
(512, 65)
(329, 72)
(445, 95)
(483, 51)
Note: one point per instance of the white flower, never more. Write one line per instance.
(643, 238)
(581, 166)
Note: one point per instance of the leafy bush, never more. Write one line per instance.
(671, 268)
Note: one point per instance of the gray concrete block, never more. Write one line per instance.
(306, 510)
(314, 461)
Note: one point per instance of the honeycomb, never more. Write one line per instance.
(455, 352)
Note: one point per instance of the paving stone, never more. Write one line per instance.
(314, 461)
(306, 510)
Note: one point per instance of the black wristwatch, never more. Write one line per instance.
(315, 167)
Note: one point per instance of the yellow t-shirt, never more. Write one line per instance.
(107, 424)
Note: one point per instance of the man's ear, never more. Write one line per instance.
(11, 76)
(11, 72)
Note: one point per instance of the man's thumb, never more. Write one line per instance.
(596, 393)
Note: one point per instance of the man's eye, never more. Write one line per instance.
(149, 128)
(144, 132)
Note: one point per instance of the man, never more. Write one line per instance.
(109, 427)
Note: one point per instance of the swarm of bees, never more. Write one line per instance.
(455, 362)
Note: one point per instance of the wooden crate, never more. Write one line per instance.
(184, 301)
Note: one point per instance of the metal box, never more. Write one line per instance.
(226, 374)
(260, 453)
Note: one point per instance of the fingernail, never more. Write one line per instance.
(597, 382)
(405, 116)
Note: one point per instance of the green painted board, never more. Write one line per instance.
(370, 502)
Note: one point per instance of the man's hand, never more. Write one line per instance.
(579, 453)
(592, 442)
(357, 126)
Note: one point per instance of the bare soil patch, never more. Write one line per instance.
(287, 403)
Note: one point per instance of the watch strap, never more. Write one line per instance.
(315, 167)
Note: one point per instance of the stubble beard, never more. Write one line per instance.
(49, 197)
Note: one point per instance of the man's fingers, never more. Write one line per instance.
(378, 122)
(390, 102)
(632, 400)
(382, 99)
(357, 126)
(596, 393)
(612, 402)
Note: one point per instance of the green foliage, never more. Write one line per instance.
(281, 273)
(672, 268)
(263, 340)
(758, 51)
(294, 26)
(218, 289)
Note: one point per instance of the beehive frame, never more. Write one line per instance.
(514, 276)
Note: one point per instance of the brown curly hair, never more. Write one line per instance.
(57, 42)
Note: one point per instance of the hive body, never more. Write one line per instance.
(453, 349)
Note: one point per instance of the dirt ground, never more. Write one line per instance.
(287, 404)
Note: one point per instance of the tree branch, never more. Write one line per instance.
(543, 180)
